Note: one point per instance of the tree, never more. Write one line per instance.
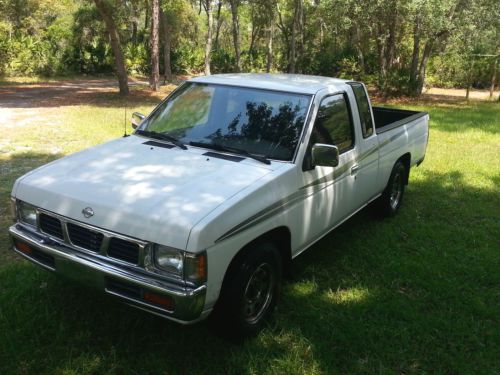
(208, 6)
(167, 45)
(388, 18)
(154, 80)
(269, 64)
(296, 25)
(234, 4)
(433, 23)
(399, 44)
(291, 25)
(218, 21)
(106, 11)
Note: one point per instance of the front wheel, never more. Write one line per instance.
(392, 197)
(250, 293)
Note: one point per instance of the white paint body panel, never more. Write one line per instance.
(151, 193)
(185, 200)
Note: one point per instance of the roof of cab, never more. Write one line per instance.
(296, 83)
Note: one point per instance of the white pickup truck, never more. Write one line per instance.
(227, 180)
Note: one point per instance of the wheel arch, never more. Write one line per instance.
(406, 160)
(280, 236)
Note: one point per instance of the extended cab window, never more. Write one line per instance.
(333, 124)
(365, 115)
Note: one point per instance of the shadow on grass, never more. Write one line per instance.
(411, 294)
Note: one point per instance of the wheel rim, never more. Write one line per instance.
(258, 293)
(396, 190)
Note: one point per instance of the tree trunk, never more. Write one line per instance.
(359, 48)
(321, 31)
(167, 43)
(423, 65)
(381, 44)
(469, 80)
(293, 42)
(493, 77)
(146, 18)
(415, 57)
(114, 38)
(236, 32)
(207, 4)
(134, 20)
(391, 42)
(302, 45)
(254, 33)
(154, 79)
(270, 48)
(291, 66)
(283, 29)
(217, 28)
(134, 32)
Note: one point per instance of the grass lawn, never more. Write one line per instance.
(415, 294)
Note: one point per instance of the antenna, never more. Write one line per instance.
(125, 120)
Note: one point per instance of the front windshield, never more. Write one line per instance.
(261, 122)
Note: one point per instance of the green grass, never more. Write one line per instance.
(415, 294)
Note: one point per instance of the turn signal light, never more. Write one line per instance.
(23, 247)
(159, 300)
(196, 268)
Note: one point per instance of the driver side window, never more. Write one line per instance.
(333, 124)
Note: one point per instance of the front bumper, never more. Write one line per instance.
(126, 283)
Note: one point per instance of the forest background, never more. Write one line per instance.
(398, 46)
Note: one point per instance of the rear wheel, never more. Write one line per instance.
(392, 197)
(250, 293)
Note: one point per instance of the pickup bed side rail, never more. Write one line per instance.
(389, 118)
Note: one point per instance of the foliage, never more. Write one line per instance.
(186, 59)
(89, 52)
(377, 40)
(136, 56)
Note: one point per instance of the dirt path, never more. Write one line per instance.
(53, 94)
(20, 103)
(460, 93)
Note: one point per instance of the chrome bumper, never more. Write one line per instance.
(126, 283)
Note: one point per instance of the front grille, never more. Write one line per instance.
(83, 237)
(123, 250)
(91, 238)
(51, 225)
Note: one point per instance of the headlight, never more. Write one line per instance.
(191, 267)
(169, 260)
(27, 213)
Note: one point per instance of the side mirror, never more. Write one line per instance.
(325, 155)
(137, 118)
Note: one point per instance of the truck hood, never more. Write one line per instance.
(152, 193)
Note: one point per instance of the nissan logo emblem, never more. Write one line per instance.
(88, 212)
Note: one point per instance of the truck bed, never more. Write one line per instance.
(390, 118)
(398, 130)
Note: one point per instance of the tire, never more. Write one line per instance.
(250, 291)
(392, 197)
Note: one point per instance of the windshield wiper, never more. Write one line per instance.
(234, 150)
(162, 136)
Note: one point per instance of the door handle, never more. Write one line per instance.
(354, 169)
